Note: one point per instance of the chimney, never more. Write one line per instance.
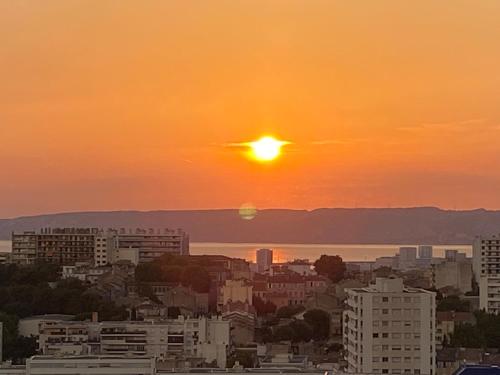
(95, 317)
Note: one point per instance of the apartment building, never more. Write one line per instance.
(144, 245)
(390, 329)
(486, 266)
(67, 246)
(205, 339)
(452, 274)
(95, 365)
(264, 258)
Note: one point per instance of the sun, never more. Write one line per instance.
(266, 148)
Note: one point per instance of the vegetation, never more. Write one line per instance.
(263, 307)
(319, 321)
(244, 358)
(15, 347)
(285, 312)
(188, 271)
(485, 334)
(453, 303)
(331, 266)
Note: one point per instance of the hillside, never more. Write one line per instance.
(329, 225)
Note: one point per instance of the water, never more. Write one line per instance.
(284, 252)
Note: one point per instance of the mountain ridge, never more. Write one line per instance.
(318, 226)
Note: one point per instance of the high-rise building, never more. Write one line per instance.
(264, 259)
(407, 257)
(486, 266)
(67, 246)
(390, 329)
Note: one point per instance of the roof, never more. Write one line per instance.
(456, 316)
(478, 370)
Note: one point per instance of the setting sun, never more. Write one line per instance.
(266, 148)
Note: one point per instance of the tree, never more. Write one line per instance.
(244, 358)
(263, 307)
(283, 333)
(302, 332)
(289, 311)
(197, 277)
(319, 320)
(173, 312)
(331, 266)
(453, 303)
(467, 336)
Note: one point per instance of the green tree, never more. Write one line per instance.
(302, 332)
(331, 266)
(197, 277)
(319, 320)
(289, 311)
(453, 303)
(467, 336)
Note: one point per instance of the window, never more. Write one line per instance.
(407, 299)
(407, 359)
(396, 299)
(385, 323)
(416, 335)
(385, 347)
(396, 323)
(407, 335)
(376, 323)
(385, 299)
(385, 371)
(385, 311)
(396, 359)
(385, 335)
(385, 359)
(396, 371)
(407, 323)
(407, 347)
(376, 359)
(396, 347)
(375, 335)
(396, 335)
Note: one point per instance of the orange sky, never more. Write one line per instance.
(128, 104)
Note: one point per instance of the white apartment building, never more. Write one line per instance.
(92, 365)
(390, 329)
(203, 338)
(453, 274)
(486, 266)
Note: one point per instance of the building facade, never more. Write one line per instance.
(390, 329)
(67, 246)
(198, 338)
(264, 260)
(486, 266)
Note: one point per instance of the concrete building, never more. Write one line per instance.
(144, 245)
(390, 329)
(67, 246)
(424, 256)
(242, 319)
(198, 338)
(264, 259)
(457, 275)
(407, 258)
(486, 266)
(236, 291)
(95, 365)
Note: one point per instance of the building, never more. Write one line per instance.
(68, 246)
(424, 256)
(454, 255)
(242, 319)
(144, 245)
(23, 248)
(201, 338)
(95, 365)
(486, 266)
(264, 260)
(1, 342)
(407, 258)
(457, 275)
(390, 329)
(236, 290)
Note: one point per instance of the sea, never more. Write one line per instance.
(285, 252)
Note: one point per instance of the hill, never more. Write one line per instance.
(326, 225)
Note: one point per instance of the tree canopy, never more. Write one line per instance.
(331, 266)
(319, 320)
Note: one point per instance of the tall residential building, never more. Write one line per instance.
(407, 257)
(453, 274)
(486, 266)
(67, 246)
(390, 329)
(264, 259)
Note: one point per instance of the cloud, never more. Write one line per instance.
(452, 126)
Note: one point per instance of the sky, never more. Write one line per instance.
(109, 105)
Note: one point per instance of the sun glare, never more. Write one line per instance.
(266, 148)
